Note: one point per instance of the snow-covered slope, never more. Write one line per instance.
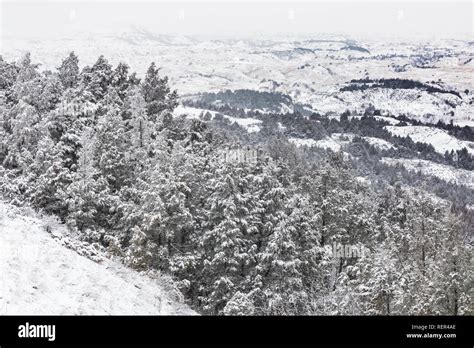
(298, 142)
(441, 171)
(337, 140)
(379, 143)
(440, 139)
(334, 143)
(251, 125)
(39, 275)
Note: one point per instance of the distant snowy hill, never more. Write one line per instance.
(443, 172)
(40, 275)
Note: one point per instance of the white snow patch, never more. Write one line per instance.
(40, 276)
(363, 180)
(189, 112)
(328, 143)
(439, 138)
(281, 127)
(342, 138)
(380, 143)
(249, 124)
(441, 171)
(389, 120)
(334, 143)
(298, 142)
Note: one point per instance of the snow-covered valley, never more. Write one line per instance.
(313, 70)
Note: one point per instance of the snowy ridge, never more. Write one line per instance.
(40, 276)
(441, 171)
(439, 138)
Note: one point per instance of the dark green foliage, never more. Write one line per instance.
(395, 83)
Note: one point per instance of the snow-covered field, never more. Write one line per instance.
(298, 142)
(379, 143)
(439, 138)
(39, 275)
(441, 171)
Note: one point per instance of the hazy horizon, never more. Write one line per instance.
(57, 19)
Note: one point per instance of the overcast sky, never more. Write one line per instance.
(54, 19)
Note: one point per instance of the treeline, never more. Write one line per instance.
(462, 133)
(394, 83)
(100, 148)
(316, 126)
(245, 99)
(404, 147)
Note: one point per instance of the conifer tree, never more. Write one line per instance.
(157, 94)
(69, 71)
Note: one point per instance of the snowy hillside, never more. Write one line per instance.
(249, 124)
(40, 275)
(443, 172)
(439, 138)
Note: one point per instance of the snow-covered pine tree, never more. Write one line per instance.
(98, 78)
(68, 71)
(138, 123)
(120, 80)
(157, 93)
